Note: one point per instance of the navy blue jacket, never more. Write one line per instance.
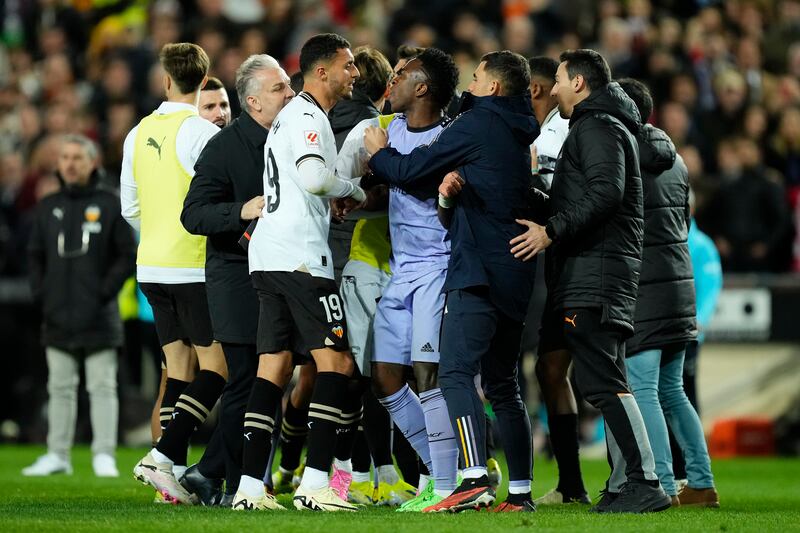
(489, 145)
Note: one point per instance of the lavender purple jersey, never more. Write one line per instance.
(419, 242)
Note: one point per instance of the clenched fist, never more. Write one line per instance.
(252, 208)
(375, 139)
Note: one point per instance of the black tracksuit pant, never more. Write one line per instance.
(223, 457)
(477, 338)
(598, 355)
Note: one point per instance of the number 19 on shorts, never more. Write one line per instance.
(333, 307)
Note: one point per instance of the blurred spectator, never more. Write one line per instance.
(716, 68)
(748, 216)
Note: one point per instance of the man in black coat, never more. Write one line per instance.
(225, 194)
(595, 238)
(81, 251)
(665, 314)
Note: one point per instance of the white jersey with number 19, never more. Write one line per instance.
(293, 231)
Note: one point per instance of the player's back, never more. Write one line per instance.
(292, 233)
(419, 242)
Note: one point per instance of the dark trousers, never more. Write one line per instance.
(598, 355)
(477, 338)
(223, 457)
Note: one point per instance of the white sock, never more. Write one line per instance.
(443, 447)
(160, 457)
(179, 470)
(423, 482)
(406, 411)
(387, 474)
(519, 487)
(360, 477)
(475, 472)
(251, 486)
(347, 465)
(314, 479)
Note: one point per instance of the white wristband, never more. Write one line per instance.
(447, 203)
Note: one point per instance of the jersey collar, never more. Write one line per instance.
(304, 95)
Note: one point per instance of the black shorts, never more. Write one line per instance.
(180, 312)
(297, 309)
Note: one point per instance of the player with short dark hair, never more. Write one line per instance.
(487, 290)
(292, 271)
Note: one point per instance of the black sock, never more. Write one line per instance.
(564, 441)
(324, 417)
(294, 430)
(352, 413)
(377, 430)
(361, 457)
(174, 388)
(259, 423)
(408, 462)
(191, 410)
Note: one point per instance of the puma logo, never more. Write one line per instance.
(152, 142)
(247, 435)
(569, 320)
(309, 114)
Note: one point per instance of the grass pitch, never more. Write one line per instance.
(756, 495)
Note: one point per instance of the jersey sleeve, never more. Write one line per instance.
(351, 162)
(305, 136)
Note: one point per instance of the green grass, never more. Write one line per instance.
(756, 494)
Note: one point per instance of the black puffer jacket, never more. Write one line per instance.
(81, 251)
(665, 309)
(596, 199)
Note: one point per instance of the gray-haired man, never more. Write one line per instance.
(224, 196)
(81, 252)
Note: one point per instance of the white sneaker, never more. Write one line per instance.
(325, 499)
(160, 477)
(47, 465)
(104, 465)
(265, 502)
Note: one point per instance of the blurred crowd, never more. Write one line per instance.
(725, 77)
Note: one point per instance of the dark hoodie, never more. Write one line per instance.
(665, 308)
(488, 143)
(596, 198)
(81, 251)
(347, 113)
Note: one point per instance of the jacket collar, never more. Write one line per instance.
(253, 131)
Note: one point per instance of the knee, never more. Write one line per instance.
(387, 379)
(503, 395)
(102, 386)
(552, 370)
(427, 376)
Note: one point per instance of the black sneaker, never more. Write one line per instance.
(606, 498)
(517, 503)
(226, 500)
(639, 497)
(207, 490)
(473, 493)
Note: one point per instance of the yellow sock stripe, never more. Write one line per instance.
(188, 399)
(189, 409)
(259, 425)
(259, 416)
(463, 443)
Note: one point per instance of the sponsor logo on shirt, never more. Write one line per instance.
(312, 138)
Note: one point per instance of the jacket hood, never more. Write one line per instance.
(613, 101)
(656, 152)
(515, 111)
(347, 113)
